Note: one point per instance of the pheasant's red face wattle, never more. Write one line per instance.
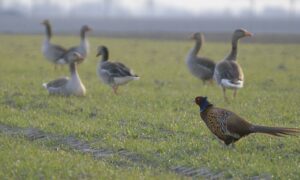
(198, 100)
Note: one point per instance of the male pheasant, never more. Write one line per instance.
(229, 127)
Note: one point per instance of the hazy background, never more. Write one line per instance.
(154, 18)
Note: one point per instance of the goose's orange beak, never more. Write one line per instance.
(89, 29)
(248, 34)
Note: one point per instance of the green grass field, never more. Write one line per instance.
(154, 118)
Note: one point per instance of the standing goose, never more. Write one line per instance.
(113, 73)
(84, 45)
(53, 53)
(201, 67)
(228, 73)
(65, 86)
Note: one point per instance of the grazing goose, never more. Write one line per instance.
(228, 73)
(84, 45)
(113, 73)
(201, 67)
(53, 53)
(65, 86)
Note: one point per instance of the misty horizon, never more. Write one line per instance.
(150, 17)
(152, 8)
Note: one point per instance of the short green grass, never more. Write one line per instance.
(154, 117)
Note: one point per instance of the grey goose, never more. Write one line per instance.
(228, 73)
(52, 52)
(111, 73)
(200, 67)
(65, 86)
(84, 45)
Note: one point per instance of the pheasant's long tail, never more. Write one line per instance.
(275, 131)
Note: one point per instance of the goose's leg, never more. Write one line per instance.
(115, 88)
(234, 93)
(224, 94)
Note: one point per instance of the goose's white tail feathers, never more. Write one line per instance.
(61, 61)
(124, 80)
(136, 78)
(44, 85)
(228, 84)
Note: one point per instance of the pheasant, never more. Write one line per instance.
(229, 127)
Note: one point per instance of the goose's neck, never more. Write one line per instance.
(194, 51)
(233, 54)
(48, 32)
(84, 44)
(73, 70)
(75, 82)
(82, 35)
(105, 56)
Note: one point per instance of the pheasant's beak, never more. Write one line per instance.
(194, 101)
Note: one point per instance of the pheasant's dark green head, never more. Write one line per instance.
(202, 103)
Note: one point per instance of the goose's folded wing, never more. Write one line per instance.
(116, 69)
(72, 49)
(122, 66)
(230, 70)
(205, 63)
(69, 51)
(58, 51)
(57, 82)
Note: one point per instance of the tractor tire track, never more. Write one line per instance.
(34, 134)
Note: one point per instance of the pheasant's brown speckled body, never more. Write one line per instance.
(220, 122)
(229, 127)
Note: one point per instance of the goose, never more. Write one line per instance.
(228, 73)
(84, 45)
(65, 86)
(52, 52)
(113, 74)
(200, 67)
